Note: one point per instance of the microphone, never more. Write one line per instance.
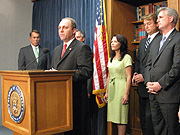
(45, 50)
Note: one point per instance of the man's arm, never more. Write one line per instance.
(48, 60)
(147, 69)
(137, 77)
(137, 61)
(21, 60)
(84, 63)
(174, 73)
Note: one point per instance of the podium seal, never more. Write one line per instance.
(16, 105)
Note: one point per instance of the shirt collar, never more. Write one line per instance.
(167, 35)
(69, 42)
(152, 36)
(35, 47)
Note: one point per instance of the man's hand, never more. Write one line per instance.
(133, 79)
(153, 87)
(139, 78)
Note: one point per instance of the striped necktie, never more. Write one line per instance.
(147, 43)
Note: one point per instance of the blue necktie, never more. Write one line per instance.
(147, 43)
(162, 42)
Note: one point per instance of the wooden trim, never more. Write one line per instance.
(175, 4)
(137, 22)
(109, 19)
(109, 128)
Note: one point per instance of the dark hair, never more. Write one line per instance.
(35, 31)
(82, 33)
(123, 49)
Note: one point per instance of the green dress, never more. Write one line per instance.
(118, 113)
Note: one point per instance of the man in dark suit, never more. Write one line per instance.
(163, 82)
(77, 56)
(80, 35)
(34, 57)
(150, 23)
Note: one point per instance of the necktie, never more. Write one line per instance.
(147, 43)
(162, 42)
(36, 53)
(64, 50)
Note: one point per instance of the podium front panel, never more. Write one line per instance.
(47, 102)
(52, 104)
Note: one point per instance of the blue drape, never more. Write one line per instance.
(46, 17)
(48, 13)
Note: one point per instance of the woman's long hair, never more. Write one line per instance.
(123, 49)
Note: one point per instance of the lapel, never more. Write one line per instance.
(148, 49)
(31, 53)
(166, 43)
(68, 50)
(59, 52)
(144, 53)
(40, 53)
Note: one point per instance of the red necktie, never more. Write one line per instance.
(64, 50)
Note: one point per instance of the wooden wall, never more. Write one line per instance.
(119, 18)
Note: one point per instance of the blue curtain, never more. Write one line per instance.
(46, 17)
(48, 13)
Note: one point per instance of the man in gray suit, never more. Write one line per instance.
(75, 55)
(151, 27)
(33, 56)
(163, 82)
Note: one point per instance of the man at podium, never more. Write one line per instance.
(75, 55)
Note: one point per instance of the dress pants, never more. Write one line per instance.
(165, 118)
(145, 116)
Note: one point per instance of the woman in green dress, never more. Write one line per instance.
(118, 83)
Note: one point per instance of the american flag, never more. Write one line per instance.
(100, 55)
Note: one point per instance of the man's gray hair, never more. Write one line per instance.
(170, 12)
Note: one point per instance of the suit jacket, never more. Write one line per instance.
(140, 63)
(78, 56)
(26, 56)
(164, 67)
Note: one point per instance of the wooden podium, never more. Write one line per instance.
(37, 102)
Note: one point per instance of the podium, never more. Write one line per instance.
(37, 102)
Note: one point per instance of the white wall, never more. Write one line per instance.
(15, 25)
